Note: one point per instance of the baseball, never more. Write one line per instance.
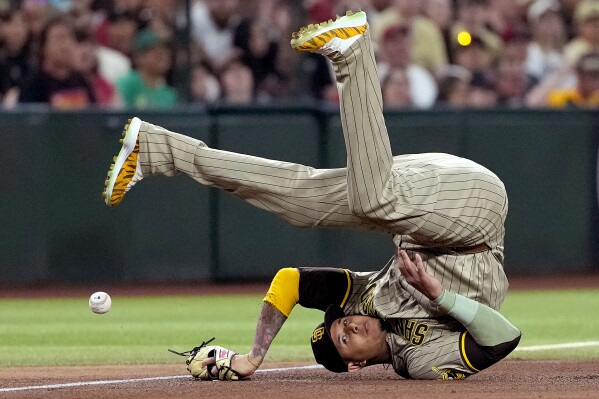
(100, 302)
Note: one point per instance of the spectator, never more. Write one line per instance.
(146, 86)
(237, 84)
(440, 13)
(508, 18)
(318, 82)
(36, 13)
(374, 9)
(86, 62)
(83, 17)
(259, 53)
(454, 86)
(428, 48)
(568, 8)
(15, 59)
(473, 18)
(511, 83)
(134, 7)
(112, 64)
(56, 82)
(396, 89)
(396, 53)
(118, 32)
(586, 18)
(584, 95)
(482, 92)
(161, 16)
(214, 23)
(205, 87)
(544, 53)
(515, 48)
(475, 57)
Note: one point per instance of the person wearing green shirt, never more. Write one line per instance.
(146, 86)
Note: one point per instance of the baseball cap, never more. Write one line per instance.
(146, 39)
(586, 10)
(540, 7)
(323, 347)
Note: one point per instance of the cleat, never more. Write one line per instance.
(330, 36)
(125, 170)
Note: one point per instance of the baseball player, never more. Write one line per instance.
(445, 213)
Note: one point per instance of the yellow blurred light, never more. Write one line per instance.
(464, 38)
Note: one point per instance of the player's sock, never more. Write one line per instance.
(330, 37)
(125, 170)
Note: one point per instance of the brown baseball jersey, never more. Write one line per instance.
(432, 347)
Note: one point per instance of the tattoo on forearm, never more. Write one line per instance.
(270, 322)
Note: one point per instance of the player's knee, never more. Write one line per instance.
(368, 211)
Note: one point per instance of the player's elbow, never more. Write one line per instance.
(497, 352)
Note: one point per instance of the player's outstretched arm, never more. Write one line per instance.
(319, 288)
(269, 324)
(491, 336)
(215, 362)
(281, 298)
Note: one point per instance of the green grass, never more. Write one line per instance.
(553, 317)
(138, 330)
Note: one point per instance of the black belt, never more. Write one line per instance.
(483, 247)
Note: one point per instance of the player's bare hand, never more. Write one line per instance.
(210, 363)
(240, 363)
(416, 275)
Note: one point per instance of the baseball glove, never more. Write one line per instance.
(220, 369)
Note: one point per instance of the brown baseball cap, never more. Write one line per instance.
(323, 347)
(586, 10)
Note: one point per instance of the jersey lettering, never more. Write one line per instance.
(413, 331)
(419, 334)
(367, 302)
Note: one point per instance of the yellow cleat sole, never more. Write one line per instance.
(312, 37)
(124, 165)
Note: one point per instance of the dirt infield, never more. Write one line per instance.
(508, 379)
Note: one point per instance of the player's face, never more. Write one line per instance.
(358, 338)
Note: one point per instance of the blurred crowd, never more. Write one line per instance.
(162, 53)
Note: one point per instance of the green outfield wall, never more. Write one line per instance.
(54, 226)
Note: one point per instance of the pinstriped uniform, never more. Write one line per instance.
(431, 203)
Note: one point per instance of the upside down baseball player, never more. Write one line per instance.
(431, 312)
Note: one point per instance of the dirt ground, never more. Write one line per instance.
(507, 379)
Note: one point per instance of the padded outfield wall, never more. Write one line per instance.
(54, 226)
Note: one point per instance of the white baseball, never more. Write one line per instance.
(100, 302)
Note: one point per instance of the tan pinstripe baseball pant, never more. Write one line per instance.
(425, 200)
